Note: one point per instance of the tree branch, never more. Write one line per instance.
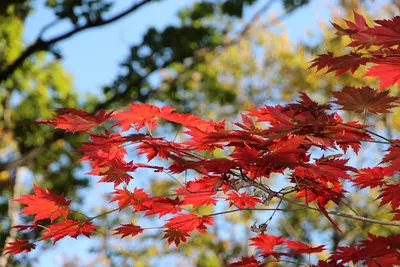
(42, 45)
(340, 214)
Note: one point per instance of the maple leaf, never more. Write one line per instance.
(385, 35)
(154, 147)
(207, 183)
(375, 251)
(197, 199)
(72, 228)
(188, 222)
(340, 64)
(18, 246)
(163, 206)
(103, 148)
(301, 248)
(359, 32)
(77, 120)
(45, 204)
(346, 254)
(128, 229)
(138, 198)
(175, 235)
(393, 157)
(242, 200)
(140, 115)
(114, 171)
(389, 74)
(365, 99)
(328, 264)
(266, 243)
(246, 262)
(187, 120)
(390, 194)
(25, 227)
(372, 177)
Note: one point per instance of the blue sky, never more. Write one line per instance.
(93, 58)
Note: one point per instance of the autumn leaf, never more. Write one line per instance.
(393, 157)
(246, 262)
(188, 222)
(114, 171)
(372, 177)
(207, 183)
(44, 204)
(163, 206)
(128, 229)
(301, 248)
(266, 242)
(175, 235)
(390, 194)
(197, 199)
(18, 246)
(140, 115)
(138, 198)
(72, 228)
(389, 74)
(365, 99)
(25, 227)
(77, 120)
(103, 148)
(340, 64)
(242, 200)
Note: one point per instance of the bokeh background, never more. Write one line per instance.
(214, 59)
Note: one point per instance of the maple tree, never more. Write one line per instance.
(279, 139)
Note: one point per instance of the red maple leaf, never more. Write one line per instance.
(347, 254)
(389, 74)
(207, 183)
(359, 32)
(163, 206)
(373, 177)
(139, 199)
(103, 148)
(329, 263)
(175, 235)
(386, 35)
(77, 120)
(25, 227)
(242, 200)
(393, 157)
(365, 99)
(140, 115)
(197, 199)
(374, 251)
(45, 204)
(128, 229)
(246, 262)
(301, 248)
(72, 228)
(114, 171)
(340, 64)
(188, 222)
(390, 194)
(18, 246)
(266, 243)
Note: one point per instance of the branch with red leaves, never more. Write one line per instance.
(269, 140)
